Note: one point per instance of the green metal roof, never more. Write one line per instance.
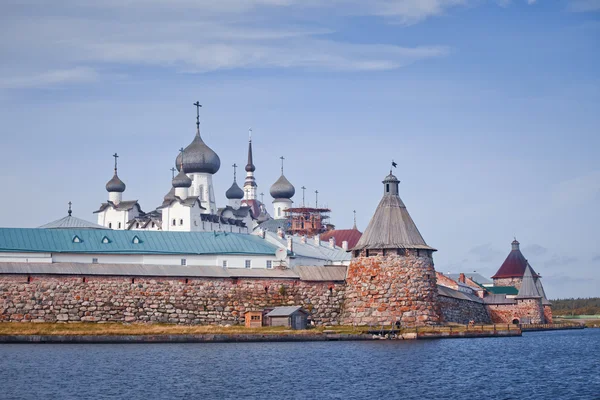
(123, 242)
(509, 290)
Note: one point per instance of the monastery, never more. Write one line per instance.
(191, 262)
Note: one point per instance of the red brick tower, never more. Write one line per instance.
(391, 277)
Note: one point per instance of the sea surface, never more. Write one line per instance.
(539, 365)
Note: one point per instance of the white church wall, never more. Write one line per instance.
(202, 186)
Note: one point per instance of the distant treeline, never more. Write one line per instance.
(590, 306)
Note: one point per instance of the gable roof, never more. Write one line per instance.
(352, 236)
(391, 228)
(121, 242)
(285, 311)
(70, 222)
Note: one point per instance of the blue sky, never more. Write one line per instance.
(490, 109)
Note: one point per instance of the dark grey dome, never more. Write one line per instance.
(115, 185)
(182, 180)
(390, 178)
(198, 157)
(234, 192)
(282, 189)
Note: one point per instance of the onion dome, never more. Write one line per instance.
(234, 192)
(282, 189)
(198, 157)
(115, 184)
(182, 180)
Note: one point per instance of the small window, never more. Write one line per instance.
(224, 263)
(119, 225)
(181, 222)
(153, 224)
(173, 222)
(248, 264)
(387, 187)
(136, 240)
(183, 261)
(110, 225)
(105, 240)
(76, 239)
(94, 261)
(269, 264)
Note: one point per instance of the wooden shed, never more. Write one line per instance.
(294, 317)
(254, 319)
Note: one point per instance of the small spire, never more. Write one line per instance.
(282, 158)
(234, 171)
(250, 134)
(198, 105)
(115, 156)
(354, 227)
(316, 199)
(303, 189)
(70, 211)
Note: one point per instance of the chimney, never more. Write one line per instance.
(332, 242)
(262, 233)
(290, 243)
(280, 233)
(317, 239)
(345, 245)
(461, 278)
(303, 239)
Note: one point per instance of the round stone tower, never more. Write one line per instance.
(391, 277)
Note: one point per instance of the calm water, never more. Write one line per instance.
(542, 365)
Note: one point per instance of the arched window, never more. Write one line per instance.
(173, 222)
(137, 224)
(110, 225)
(181, 222)
(279, 211)
(119, 225)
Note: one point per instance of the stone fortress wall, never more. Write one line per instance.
(221, 301)
(193, 301)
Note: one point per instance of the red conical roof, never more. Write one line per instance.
(515, 264)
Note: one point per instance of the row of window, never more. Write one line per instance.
(110, 225)
(247, 263)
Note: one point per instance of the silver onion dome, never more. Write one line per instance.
(234, 192)
(115, 184)
(282, 189)
(182, 180)
(198, 157)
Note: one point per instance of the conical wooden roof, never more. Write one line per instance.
(391, 226)
(528, 287)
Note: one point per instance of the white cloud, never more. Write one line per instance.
(50, 78)
(195, 37)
